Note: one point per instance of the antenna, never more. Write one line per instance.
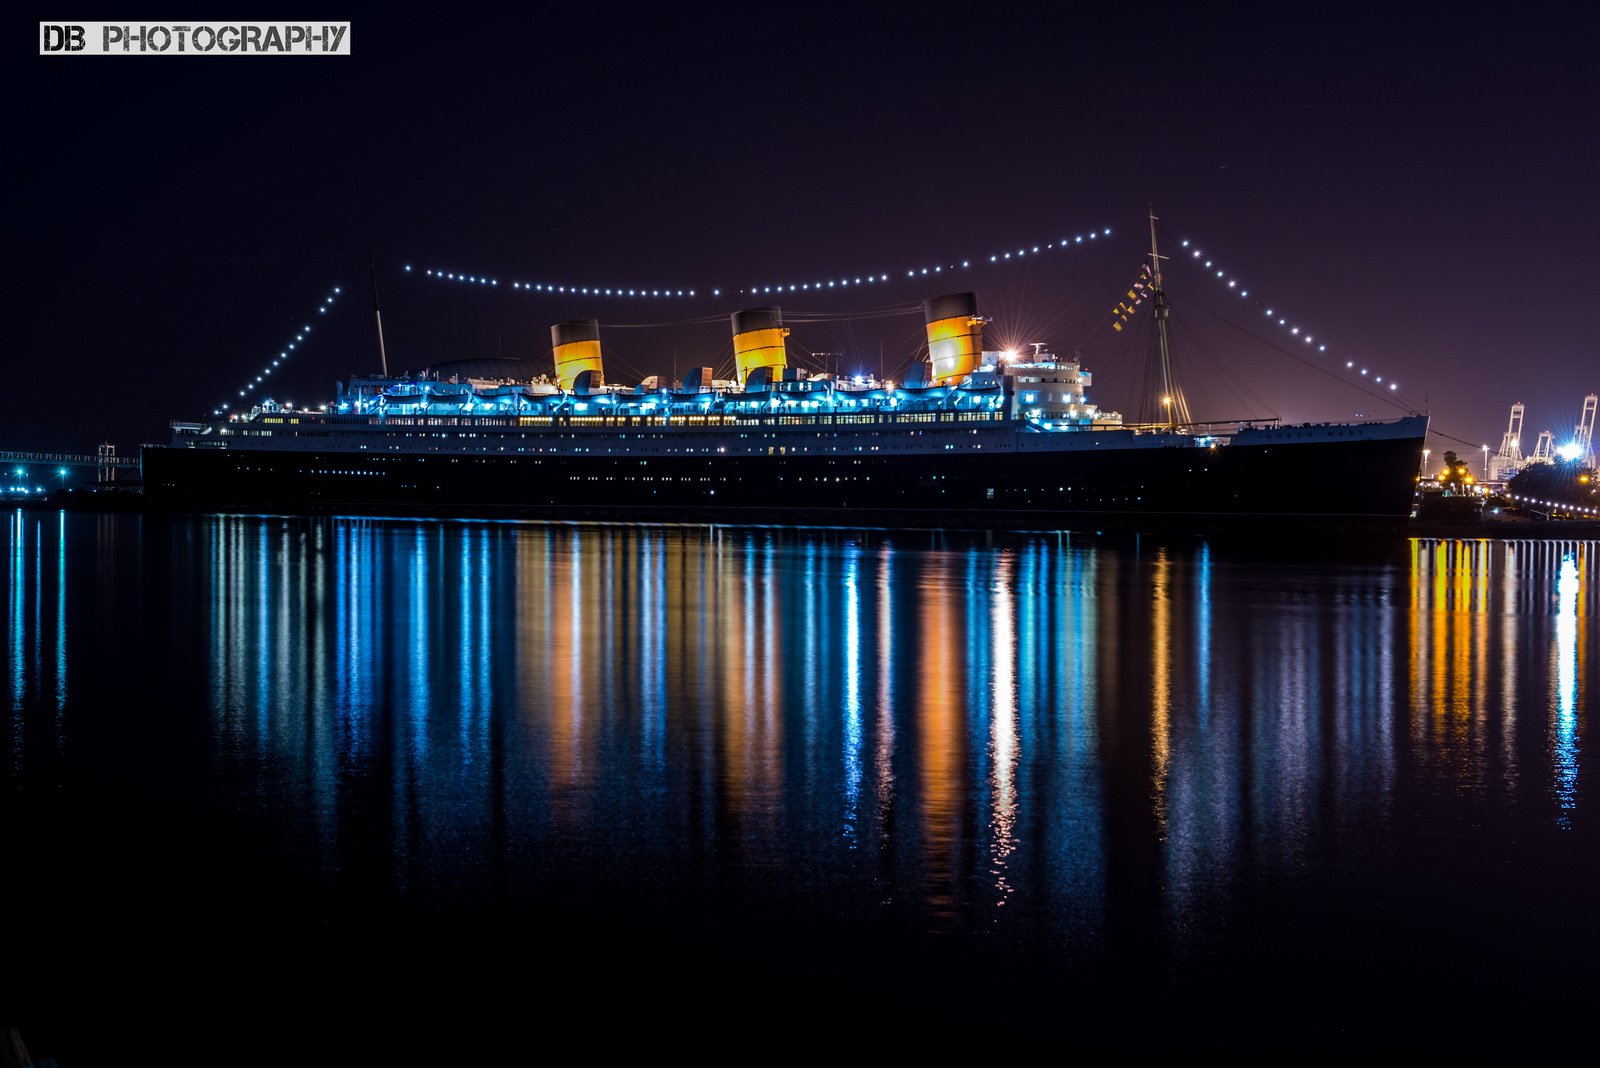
(382, 354)
(1155, 256)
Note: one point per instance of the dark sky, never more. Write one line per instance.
(1416, 191)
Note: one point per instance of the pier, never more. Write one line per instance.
(37, 474)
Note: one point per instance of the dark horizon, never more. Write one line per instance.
(1406, 191)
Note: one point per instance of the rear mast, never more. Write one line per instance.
(383, 356)
(1171, 399)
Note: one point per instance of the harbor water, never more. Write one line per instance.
(434, 785)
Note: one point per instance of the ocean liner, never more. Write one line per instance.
(970, 435)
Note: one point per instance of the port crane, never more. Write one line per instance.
(1544, 450)
(1508, 461)
(1583, 439)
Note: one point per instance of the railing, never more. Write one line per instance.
(1211, 427)
(68, 459)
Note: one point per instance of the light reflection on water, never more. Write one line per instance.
(963, 730)
(16, 603)
(1566, 711)
(1003, 727)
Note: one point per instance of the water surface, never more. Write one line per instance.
(1120, 789)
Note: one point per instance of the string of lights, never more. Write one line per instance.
(1559, 505)
(1283, 322)
(841, 281)
(283, 354)
(883, 278)
(462, 277)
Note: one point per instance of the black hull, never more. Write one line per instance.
(1350, 479)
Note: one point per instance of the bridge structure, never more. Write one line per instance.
(26, 472)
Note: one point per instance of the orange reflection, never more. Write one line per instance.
(940, 719)
(746, 638)
(1508, 665)
(566, 653)
(1449, 628)
(1161, 685)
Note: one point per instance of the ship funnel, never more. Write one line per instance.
(955, 336)
(577, 349)
(758, 335)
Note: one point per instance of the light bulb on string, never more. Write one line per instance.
(840, 281)
(1282, 321)
(283, 353)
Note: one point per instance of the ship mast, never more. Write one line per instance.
(1171, 399)
(382, 355)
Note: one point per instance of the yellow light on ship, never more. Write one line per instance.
(575, 344)
(1166, 400)
(758, 335)
(955, 336)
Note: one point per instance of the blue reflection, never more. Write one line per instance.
(883, 756)
(38, 599)
(61, 618)
(1078, 853)
(473, 651)
(264, 679)
(852, 690)
(1202, 635)
(354, 621)
(312, 707)
(652, 645)
(486, 585)
(468, 650)
(817, 625)
(1566, 691)
(421, 663)
(990, 720)
(18, 590)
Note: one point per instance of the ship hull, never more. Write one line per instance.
(1361, 476)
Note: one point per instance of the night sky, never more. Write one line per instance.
(1416, 193)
